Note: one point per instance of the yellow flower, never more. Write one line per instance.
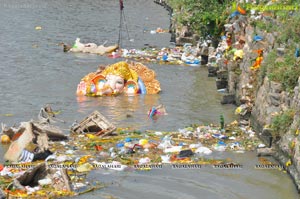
(238, 110)
(288, 163)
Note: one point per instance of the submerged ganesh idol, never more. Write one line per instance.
(122, 77)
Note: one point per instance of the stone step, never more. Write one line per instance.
(221, 83)
(228, 99)
(222, 74)
(212, 70)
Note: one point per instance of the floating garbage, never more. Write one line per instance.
(203, 150)
(31, 139)
(46, 181)
(89, 48)
(158, 110)
(38, 28)
(62, 167)
(144, 160)
(185, 153)
(5, 139)
(219, 136)
(235, 145)
(7, 114)
(143, 142)
(95, 124)
(120, 145)
(173, 149)
(186, 55)
(195, 146)
(220, 147)
(165, 158)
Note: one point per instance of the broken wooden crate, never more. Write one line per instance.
(96, 124)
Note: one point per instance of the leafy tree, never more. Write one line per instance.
(203, 17)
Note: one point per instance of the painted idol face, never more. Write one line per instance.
(115, 82)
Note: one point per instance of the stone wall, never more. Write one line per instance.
(271, 100)
(258, 99)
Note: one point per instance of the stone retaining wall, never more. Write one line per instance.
(258, 98)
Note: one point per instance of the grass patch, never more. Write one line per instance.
(264, 25)
(285, 70)
(282, 122)
(290, 29)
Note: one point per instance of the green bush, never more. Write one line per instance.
(285, 71)
(282, 122)
(265, 25)
(290, 29)
(204, 17)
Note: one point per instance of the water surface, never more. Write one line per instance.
(35, 72)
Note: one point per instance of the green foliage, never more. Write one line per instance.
(267, 26)
(237, 71)
(285, 70)
(281, 15)
(204, 17)
(282, 122)
(269, 61)
(260, 24)
(290, 29)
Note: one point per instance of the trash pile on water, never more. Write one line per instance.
(180, 55)
(50, 163)
(187, 54)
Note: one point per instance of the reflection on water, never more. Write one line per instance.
(35, 72)
(122, 110)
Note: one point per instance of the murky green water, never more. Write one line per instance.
(35, 72)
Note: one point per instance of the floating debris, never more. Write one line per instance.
(41, 162)
(38, 28)
(95, 124)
